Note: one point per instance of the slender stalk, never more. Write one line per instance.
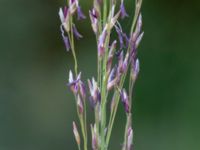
(85, 121)
(71, 40)
(105, 12)
(79, 147)
(125, 133)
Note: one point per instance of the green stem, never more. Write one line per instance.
(73, 47)
(79, 147)
(104, 12)
(97, 122)
(85, 121)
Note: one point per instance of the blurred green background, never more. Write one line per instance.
(36, 107)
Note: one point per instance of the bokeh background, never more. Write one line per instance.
(36, 107)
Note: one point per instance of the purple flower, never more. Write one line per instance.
(80, 13)
(73, 4)
(101, 42)
(76, 134)
(74, 83)
(123, 63)
(94, 92)
(139, 39)
(125, 100)
(64, 18)
(130, 138)
(135, 69)
(76, 33)
(110, 56)
(82, 89)
(65, 39)
(94, 137)
(113, 79)
(123, 11)
(120, 62)
(80, 105)
(94, 20)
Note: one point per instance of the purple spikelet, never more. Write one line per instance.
(123, 10)
(76, 33)
(80, 13)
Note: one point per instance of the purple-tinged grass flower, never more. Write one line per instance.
(79, 104)
(139, 39)
(112, 79)
(94, 92)
(123, 10)
(82, 89)
(94, 137)
(125, 100)
(64, 18)
(65, 39)
(110, 56)
(113, 104)
(80, 13)
(114, 18)
(101, 42)
(120, 62)
(135, 69)
(76, 33)
(94, 20)
(76, 134)
(97, 5)
(73, 83)
(130, 138)
(73, 6)
(123, 63)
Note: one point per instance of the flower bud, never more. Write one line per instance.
(94, 137)
(79, 105)
(112, 80)
(82, 89)
(94, 92)
(135, 69)
(101, 42)
(125, 100)
(130, 138)
(123, 12)
(80, 13)
(94, 20)
(113, 18)
(76, 134)
(65, 39)
(73, 6)
(64, 18)
(76, 33)
(73, 83)
(139, 39)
